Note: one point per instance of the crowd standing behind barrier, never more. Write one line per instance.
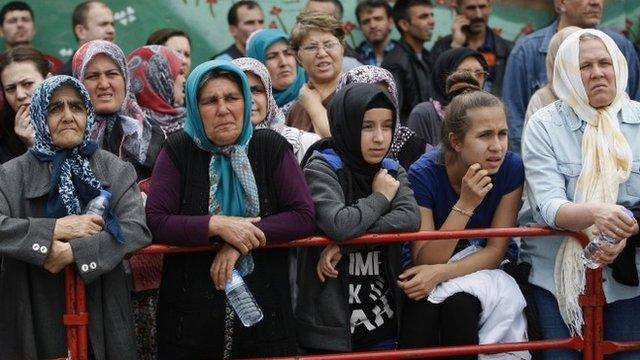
(231, 176)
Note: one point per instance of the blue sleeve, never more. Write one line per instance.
(632, 63)
(423, 181)
(513, 175)
(516, 94)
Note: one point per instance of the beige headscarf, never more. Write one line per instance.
(545, 95)
(606, 160)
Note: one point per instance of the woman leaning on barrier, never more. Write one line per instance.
(457, 294)
(582, 164)
(348, 299)
(42, 194)
(219, 180)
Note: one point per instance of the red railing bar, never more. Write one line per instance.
(383, 239)
(81, 349)
(70, 309)
(610, 347)
(571, 343)
(83, 336)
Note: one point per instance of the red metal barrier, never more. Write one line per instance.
(592, 345)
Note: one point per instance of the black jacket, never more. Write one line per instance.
(503, 49)
(412, 75)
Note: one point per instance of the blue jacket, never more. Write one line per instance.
(527, 72)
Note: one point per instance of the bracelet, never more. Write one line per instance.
(466, 213)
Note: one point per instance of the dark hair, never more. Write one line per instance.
(80, 12)
(337, 4)
(23, 54)
(20, 54)
(464, 91)
(401, 10)
(160, 37)
(367, 5)
(15, 6)
(232, 15)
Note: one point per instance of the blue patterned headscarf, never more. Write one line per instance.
(257, 46)
(233, 189)
(72, 180)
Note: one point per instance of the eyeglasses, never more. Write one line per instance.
(313, 49)
(479, 74)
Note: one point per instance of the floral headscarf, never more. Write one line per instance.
(154, 70)
(606, 159)
(275, 118)
(72, 180)
(137, 132)
(369, 74)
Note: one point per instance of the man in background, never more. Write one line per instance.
(244, 17)
(376, 22)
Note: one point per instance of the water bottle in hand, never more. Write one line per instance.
(589, 253)
(99, 204)
(242, 301)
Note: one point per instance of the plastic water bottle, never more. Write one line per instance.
(242, 301)
(99, 204)
(588, 255)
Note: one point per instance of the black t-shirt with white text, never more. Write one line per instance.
(372, 317)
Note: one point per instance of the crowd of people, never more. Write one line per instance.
(283, 136)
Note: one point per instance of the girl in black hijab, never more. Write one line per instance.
(426, 118)
(355, 190)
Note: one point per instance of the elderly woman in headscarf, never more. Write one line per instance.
(355, 190)
(406, 146)
(120, 126)
(42, 196)
(271, 47)
(221, 181)
(426, 118)
(581, 159)
(265, 113)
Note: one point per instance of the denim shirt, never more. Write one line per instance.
(368, 54)
(552, 159)
(527, 72)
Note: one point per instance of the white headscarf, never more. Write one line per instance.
(606, 160)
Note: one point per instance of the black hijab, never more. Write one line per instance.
(447, 63)
(346, 113)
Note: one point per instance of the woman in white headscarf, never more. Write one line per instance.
(582, 171)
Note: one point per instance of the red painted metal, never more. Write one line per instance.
(592, 301)
(70, 309)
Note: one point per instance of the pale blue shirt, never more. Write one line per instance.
(552, 161)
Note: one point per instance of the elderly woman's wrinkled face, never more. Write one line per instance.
(281, 63)
(259, 97)
(19, 79)
(320, 55)
(105, 84)
(66, 118)
(596, 70)
(221, 108)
